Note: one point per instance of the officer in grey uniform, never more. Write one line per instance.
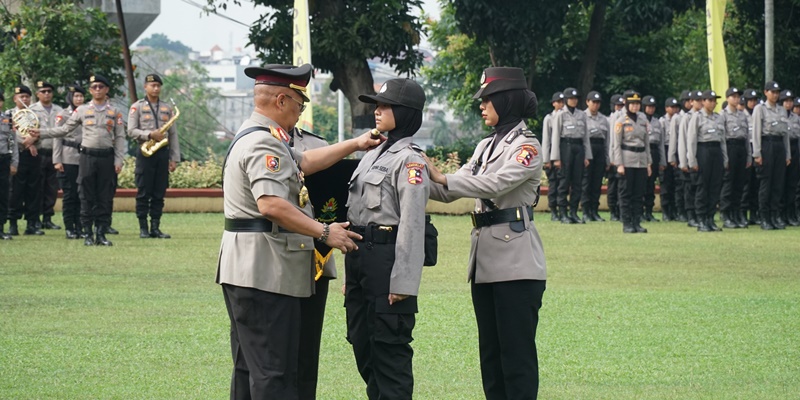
(145, 119)
(506, 263)
(657, 153)
(9, 161)
(552, 174)
(266, 257)
(750, 190)
(66, 160)
(597, 125)
(692, 180)
(571, 153)
(47, 112)
(386, 205)
(739, 160)
(681, 177)
(632, 158)
(667, 192)
(102, 150)
(707, 158)
(771, 155)
(612, 189)
(312, 309)
(26, 185)
(793, 169)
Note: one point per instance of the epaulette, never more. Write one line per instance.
(513, 135)
(416, 148)
(305, 132)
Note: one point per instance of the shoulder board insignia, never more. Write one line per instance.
(513, 135)
(305, 132)
(416, 148)
(528, 133)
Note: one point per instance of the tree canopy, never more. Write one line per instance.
(161, 41)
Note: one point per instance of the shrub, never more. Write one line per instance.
(188, 174)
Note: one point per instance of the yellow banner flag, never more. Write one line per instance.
(301, 54)
(717, 63)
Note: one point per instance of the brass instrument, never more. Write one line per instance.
(151, 146)
(25, 120)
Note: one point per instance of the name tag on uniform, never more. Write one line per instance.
(712, 131)
(774, 123)
(736, 128)
(570, 126)
(594, 130)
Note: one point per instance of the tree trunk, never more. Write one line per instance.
(592, 53)
(354, 79)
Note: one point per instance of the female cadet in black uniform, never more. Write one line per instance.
(388, 193)
(633, 161)
(507, 265)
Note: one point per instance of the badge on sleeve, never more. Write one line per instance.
(59, 118)
(133, 110)
(415, 172)
(273, 163)
(526, 154)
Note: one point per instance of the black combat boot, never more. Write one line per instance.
(100, 233)
(47, 223)
(741, 219)
(693, 220)
(144, 231)
(614, 214)
(627, 224)
(755, 218)
(711, 224)
(111, 231)
(554, 214)
(596, 215)
(573, 216)
(777, 221)
(666, 213)
(766, 224)
(3, 235)
(71, 231)
(790, 216)
(637, 222)
(155, 232)
(88, 239)
(727, 219)
(587, 214)
(13, 230)
(702, 224)
(563, 212)
(682, 217)
(32, 229)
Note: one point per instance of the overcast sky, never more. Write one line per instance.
(184, 21)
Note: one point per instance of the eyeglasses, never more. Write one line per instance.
(302, 105)
(98, 86)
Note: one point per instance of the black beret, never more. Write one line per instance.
(649, 101)
(732, 91)
(290, 76)
(500, 79)
(99, 78)
(153, 78)
(786, 94)
(709, 95)
(401, 91)
(557, 96)
(671, 102)
(750, 94)
(22, 89)
(44, 84)
(772, 85)
(594, 96)
(570, 93)
(76, 88)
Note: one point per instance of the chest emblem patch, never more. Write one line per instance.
(415, 172)
(273, 163)
(526, 154)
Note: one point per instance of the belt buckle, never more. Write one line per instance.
(385, 228)
(474, 222)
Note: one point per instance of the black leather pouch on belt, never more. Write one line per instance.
(431, 243)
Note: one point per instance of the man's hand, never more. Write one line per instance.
(661, 167)
(696, 168)
(13, 170)
(59, 167)
(748, 165)
(649, 170)
(342, 239)
(34, 132)
(395, 298)
(34, 152)
(28, 141)
(758, 161)
(367, 142)
(586, 163)
(436, 175)
(156, 135)
(788, 162)
(621, 170)
(685, 170)
(673, 164)
(557, 164)
(117, 169)
(172, 166)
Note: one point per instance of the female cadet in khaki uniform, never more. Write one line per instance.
(506, 264)
(707, 156)
(66, 158)
(386, 206)
(632, 158)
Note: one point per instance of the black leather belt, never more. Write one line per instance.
(379, 234)
(654, 145)
(572, 140)
(736, 141)
(97, 152)
(4, 156)
(771, 138)
(479, 220)
(71, 143)
(597, 140)
(703, 144)
(250, 225)
(635, 149)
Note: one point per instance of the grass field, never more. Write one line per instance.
(673, 314)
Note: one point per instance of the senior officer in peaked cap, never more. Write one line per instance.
(266, 258)
(507, 263)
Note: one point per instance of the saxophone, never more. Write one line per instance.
(151, 146)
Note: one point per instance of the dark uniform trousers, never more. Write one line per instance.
(507, 314)
(71, 203)
(631, 187)
(650, 189)
(792, 177)
(667, 191)
(5, 165)
(690, 181)
(152, 180)
(96, 187)
(380, 333)
(49, 183)
(265, 340)
(750, 191)
(735, 176)
(552, 189)
(612, 190)
(593, 175)
(709, 177)
(571, 173)
(771, 173)
(679, 177)
(26, 188)
(312, 314)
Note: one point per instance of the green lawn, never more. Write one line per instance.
(673, 314)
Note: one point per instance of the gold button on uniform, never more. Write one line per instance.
(302, 245)
(506, 237)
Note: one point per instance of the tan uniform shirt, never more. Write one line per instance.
(570, 125)
(630, 133)
(103, 128)
(277, 262)
(770, 120)
(47, 119)
(705, 127)
(597, 125)
(510, 177)
(62, 153)
(145, 117)
(736, 127)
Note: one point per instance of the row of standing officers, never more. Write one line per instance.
(744, 158)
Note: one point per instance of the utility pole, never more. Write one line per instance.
(126, 54)
(769, 40)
